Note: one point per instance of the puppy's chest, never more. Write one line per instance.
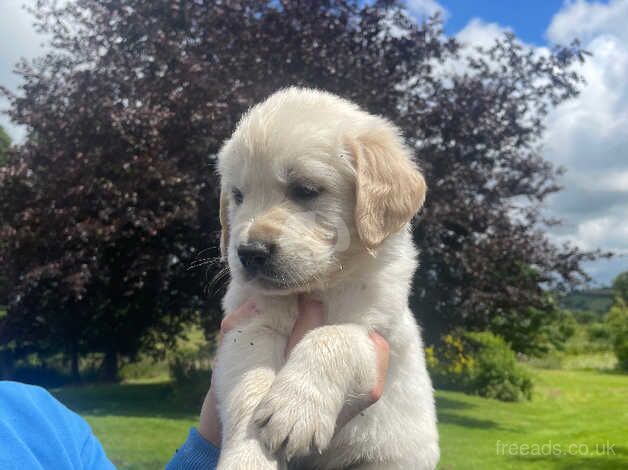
(280, 313)
(352, 304)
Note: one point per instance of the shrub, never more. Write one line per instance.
(558, 331)
(590, 338)
(618, 323)
(621, 351)
(535, 332)
(497, 373)
(479, 363)
(189, 366)
(191, 377)
(144, 367)
(585, 317)
(600, 332)
(450, 365)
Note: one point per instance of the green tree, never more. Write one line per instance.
(620, 288)
(618, 320)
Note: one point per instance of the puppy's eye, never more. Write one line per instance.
(238, 197)
(304, 191)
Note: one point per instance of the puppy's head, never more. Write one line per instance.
(310, 184)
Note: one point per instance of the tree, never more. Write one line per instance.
(618, 324)
(5, 144)
(112, 193)
(101, 219)
(618, 320)
(620, 288)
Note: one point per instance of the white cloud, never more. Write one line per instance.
(18, 39)
(616, 181)
(479, 33)
(587, 20)
(588, 135)
(425, 8)
(476, 33)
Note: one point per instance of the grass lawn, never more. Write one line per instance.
(139, 424)
(571, 413)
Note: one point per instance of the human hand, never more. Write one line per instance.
(311, 315)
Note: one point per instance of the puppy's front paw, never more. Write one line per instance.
(295, 420)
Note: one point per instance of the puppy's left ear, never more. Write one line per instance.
(224, 223)
(390, 190)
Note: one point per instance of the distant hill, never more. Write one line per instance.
(590, 300)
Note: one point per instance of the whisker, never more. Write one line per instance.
(203, 262)
(217, 280)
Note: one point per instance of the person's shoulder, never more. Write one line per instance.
(26, 403)
(38, 429)
(14, 393)
(18, 389)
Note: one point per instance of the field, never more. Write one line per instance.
(592, 300)
(576, 420)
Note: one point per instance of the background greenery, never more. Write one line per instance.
(141, 425)
(109, 206)
(576, 417)
(109, 218)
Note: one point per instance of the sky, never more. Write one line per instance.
(587, 136)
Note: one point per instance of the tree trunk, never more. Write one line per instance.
(74, 362)
(109, 366)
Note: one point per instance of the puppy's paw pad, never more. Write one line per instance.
(294, 423)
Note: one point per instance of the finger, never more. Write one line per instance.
(209, 424)
(358, 404)
(245, 312)
(311, 315)
(382, 358)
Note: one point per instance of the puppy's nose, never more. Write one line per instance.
(254, 255)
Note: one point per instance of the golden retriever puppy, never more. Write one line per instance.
(317, 196)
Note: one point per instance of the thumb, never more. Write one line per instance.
(311, 315)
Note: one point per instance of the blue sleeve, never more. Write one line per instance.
(195, 454)
(38, 432)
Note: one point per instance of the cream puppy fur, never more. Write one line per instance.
(317, 196)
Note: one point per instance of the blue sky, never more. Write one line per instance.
(527, 18)
(588, 136)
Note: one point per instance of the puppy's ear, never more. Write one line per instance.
(224, 223)
(390, 190)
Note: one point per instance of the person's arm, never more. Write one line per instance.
(36, 431)
(195, 454)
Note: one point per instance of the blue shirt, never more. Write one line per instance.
(38, 432)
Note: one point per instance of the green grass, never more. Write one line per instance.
(140, 425)
(570, 410)
(597, 361)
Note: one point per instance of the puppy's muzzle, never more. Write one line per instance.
(255, 256)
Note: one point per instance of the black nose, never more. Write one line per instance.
(254, 255)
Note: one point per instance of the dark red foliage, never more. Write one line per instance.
(112, 195)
